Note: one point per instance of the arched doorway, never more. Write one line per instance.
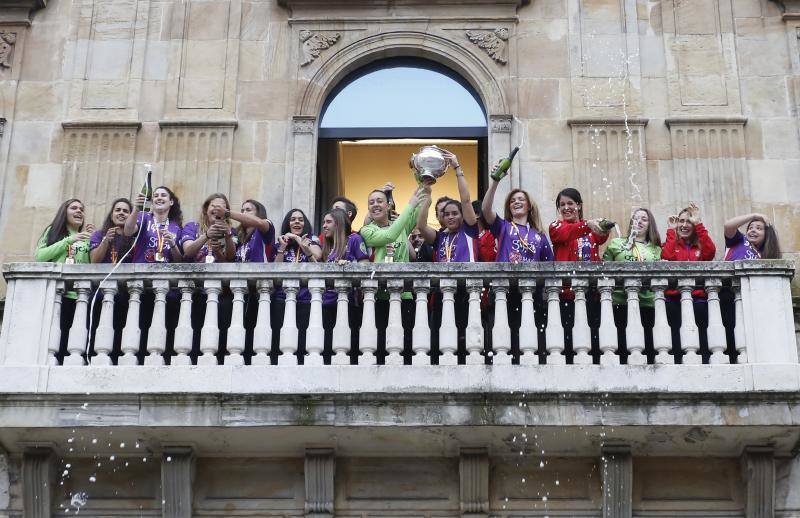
(381, 113)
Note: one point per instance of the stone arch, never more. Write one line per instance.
(402, 44)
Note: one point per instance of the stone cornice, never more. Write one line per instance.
(19, 11)
(694, 120)
(607, 121)
(101, 124)
(371, 4)
(230, 123)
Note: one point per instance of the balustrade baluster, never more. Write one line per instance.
(715, 332)
(448, 331)
(501, 332)
(634, 331)
(738, 329)
(341, 330)
(78, 333)
(262, 334)
(157, 335)
(368, 334)
(104, 335)
(474, 333)
(131, 334)
(209, 335)
(581, 332)
(690, 336)
(394, 330)
(183, 332)
(528, 336)
(421, 335)
(289, 333)
(236, 332)
(54, 342)
(608, 330)
(554, 333)
(662, 335)
(315, 334)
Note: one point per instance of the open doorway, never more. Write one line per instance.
(380, 114)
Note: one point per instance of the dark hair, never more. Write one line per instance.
(204, 209)
(770, 248)
(350, 207)
(285, 225)
(453, 202)
(692, 240)
(653, 237)
(533, 213)
(572, 193)
(109, 222)
(58, 230)
(441, 200)
(261, 213)
(338, 243)
(477, 206)
(175, 212)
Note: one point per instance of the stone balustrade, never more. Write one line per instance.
(509, 314)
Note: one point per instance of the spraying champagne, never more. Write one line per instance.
(501, 169)
(147, 188)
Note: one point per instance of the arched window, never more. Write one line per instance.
(380, 114)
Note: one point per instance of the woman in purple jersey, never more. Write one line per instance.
(256, 234)
(210, 239)
(109, 244)
(520, 239)
(342, 246)
(760, 240)
(161, 228)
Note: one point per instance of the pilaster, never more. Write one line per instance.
(617, 463)
(177, 474)
(758, 466)
(320, 469)
(38, 480)
(473, 468)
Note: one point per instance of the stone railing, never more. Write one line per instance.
(509, 314)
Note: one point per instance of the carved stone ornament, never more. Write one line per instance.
(493, 42)
(501, 123)
(7, 41)
(314, 43)
(303, 124)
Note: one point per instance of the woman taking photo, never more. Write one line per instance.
(256, 234)
(66, 238)
(109, 244)
(161, 228)
(210, 239)
(642, 244)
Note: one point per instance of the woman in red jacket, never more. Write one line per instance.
(687, 240)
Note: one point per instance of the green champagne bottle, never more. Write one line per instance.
(606, 224)
(147, 189)
(501, 170)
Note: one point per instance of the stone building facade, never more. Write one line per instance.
(637, 102)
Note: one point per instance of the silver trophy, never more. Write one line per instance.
(429, 163)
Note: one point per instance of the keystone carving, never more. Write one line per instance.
(7, 41)
(493, 42)
(315, 43)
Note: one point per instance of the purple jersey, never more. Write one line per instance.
(153, 239)
(294, 254)
(739, 248)
(258, 249)
(456, 247)
(355, 251)
(190, 233)
(116, 249)
(519, 243)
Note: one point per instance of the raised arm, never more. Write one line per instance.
(375, 236)
(251, 221)
(733, 224)
(463, 190)
(488, 201)
(428, 234)
(132, 223)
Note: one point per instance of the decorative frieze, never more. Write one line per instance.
(493, 42)
(7, 41)
(97, 164)
(473, 470)
(501, 123)
(320, 469)
(313, 43)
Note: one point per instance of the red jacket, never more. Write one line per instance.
(575, 241)
(676, 249)
(487, 247)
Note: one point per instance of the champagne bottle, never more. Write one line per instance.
(147, 189)
(501, 170)
(606, 224)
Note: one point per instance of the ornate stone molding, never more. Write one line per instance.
(501, 123)
(589, 121)
(101, 124)
(19, 11)
(176, 123)
(7, 41)
(314, 43)
(473, 471)
(676, 121)
(493, 42)
(320, 468)
(303, 124)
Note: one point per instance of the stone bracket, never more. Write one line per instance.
(38, 481)
(758, 466)
(617, 471)
(320, 469)
(473, 468)
(177, 476)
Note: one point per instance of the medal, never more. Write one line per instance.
(69, 260)
(159, 257)
(209, 259)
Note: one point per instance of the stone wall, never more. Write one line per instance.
(635, 102)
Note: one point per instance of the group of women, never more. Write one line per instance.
(469, 232)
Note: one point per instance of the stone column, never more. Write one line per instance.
(500, 145)
(320, 469)
(38, 481)
(177, 475)
(617, 481)
(473, 469)
(758, 466)
(5, 481)
(299, 186)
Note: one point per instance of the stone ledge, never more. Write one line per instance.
(224, 123)
(608, 121)
(702, 120)
(100, 124)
